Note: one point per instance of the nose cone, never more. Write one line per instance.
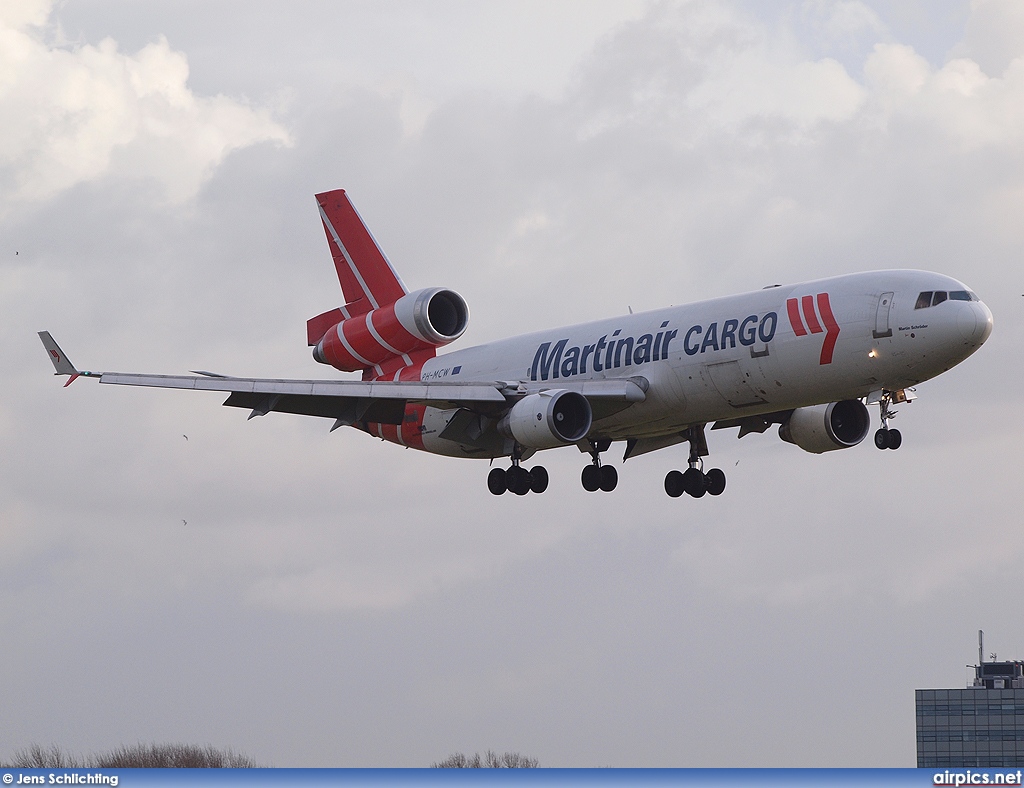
(975, 323)
(985, 321)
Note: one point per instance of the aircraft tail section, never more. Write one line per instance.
(383, 329)
(367, 279)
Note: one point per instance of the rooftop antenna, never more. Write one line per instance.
(981, 646)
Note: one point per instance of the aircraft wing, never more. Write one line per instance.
(349, 401)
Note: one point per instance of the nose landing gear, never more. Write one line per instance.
(886, 438)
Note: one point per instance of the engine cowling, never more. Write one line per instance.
(821, 428)
(417, 321)
(548, 419)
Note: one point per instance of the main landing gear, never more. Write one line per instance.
(597, 476)
(886, 438)
(517, 479)
(694, 481)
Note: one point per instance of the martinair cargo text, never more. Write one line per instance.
(808, 357)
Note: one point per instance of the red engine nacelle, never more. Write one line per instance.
(417, 321)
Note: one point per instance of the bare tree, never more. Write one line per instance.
(138, 756)
(507, 760)
(172, 756)
(38, 757)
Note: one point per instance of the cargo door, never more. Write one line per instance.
(734, 384)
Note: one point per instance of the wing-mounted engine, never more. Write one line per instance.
(821, 428)
(548, 419)
(416, 322)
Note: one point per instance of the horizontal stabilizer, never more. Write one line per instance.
(317, 326)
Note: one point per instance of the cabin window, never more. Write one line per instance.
(924, 300)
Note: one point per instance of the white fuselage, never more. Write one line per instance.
(770, 350)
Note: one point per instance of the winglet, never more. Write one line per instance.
(60, 361)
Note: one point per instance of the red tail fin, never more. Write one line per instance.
(367, 279)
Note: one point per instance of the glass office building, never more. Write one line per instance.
(982, 725)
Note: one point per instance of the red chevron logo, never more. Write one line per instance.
(794, 307)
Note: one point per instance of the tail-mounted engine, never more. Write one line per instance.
(548, 419)
(821, 428)
(418, 321)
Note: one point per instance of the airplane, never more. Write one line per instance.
(809, 357)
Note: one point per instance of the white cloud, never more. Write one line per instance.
(995, 34)
(704, 68)
(840, 18)
(753, 85)
(75, 114)
(18, 14)
(958, 102)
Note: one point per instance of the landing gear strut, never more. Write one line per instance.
(517, 479)
(886, 438)
(694, 481)
(597, 476)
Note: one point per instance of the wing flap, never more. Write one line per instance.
(409, 391)
(348, 410)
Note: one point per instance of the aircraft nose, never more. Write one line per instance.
(975, 323)
(985, 321)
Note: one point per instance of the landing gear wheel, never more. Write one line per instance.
(609, 478)
(518, 480)
(694, 483)
(674, 484)
(496, 481)
(538, 479)
(888, 439)
(591, 478)
(715, 481)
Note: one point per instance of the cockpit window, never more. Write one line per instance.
(935, 297)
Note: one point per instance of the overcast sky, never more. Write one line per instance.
(338, 601)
